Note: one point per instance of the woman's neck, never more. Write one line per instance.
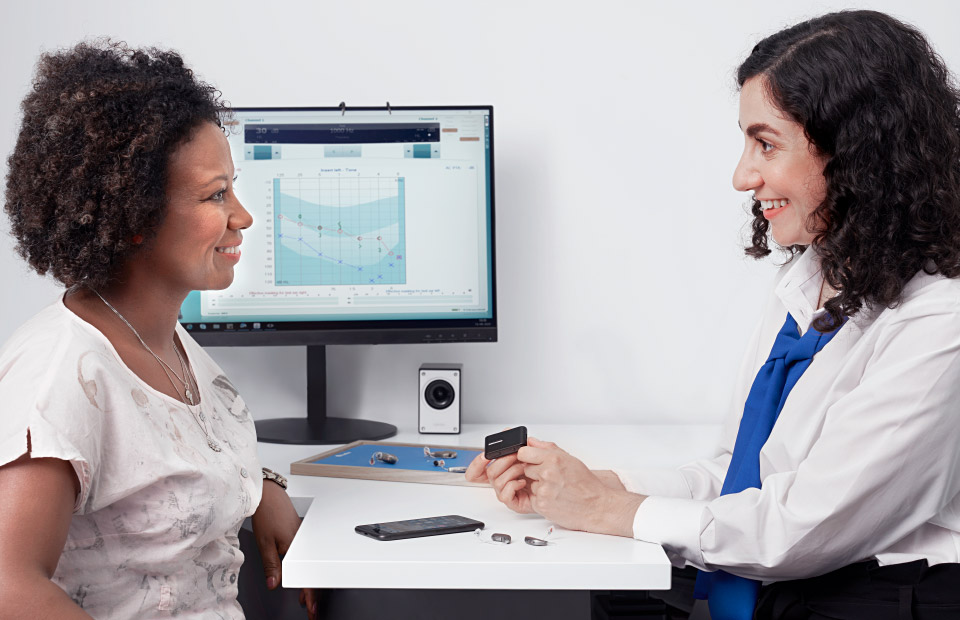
(827, 293)
(151, 313)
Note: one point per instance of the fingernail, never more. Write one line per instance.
(313, 607)
(271, 582)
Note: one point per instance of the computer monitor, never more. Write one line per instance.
(370, 226)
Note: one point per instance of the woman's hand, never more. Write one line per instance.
(274, 524)
(505, 475)
(565, 491)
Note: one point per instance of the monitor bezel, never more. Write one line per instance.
(406, 331)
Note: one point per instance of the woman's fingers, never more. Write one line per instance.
(536, 443)
(497, 466)
(309, 596)
(476, 471)
(512, 473)
(483, 470)
(509, 494)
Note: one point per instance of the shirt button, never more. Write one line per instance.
(243, 472)
(202, 417)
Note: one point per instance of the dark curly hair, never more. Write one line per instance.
(881, 107)
(89, 168)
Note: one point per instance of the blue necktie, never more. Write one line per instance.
(731, 597)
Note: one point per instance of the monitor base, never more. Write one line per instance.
(328, 431)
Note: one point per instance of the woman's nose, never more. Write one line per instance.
(746, 176)
(241, 218)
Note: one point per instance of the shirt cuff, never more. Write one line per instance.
(674, 524)
(662, 482)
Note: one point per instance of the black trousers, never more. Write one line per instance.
(867, 591)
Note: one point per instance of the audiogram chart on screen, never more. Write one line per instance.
(339, 231)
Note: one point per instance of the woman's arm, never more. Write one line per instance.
(38, 499)
(885, 463)
(274, 525)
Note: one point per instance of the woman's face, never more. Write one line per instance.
(198, 242)
(779, 165)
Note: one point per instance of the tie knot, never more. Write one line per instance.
(791, 347)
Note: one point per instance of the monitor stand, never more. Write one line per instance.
(317, 427)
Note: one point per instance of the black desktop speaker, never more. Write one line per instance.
(440, 398)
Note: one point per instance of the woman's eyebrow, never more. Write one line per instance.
(212, 180)
(757, 128)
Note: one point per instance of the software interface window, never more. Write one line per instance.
(367, 215)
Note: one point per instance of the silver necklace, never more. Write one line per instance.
(187, 392)
(187, 374)
(186, 395)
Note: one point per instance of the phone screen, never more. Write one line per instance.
(413, 528)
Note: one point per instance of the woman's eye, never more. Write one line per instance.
(766, 147)
(218, 196)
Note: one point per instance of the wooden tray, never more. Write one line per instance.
(353, 461)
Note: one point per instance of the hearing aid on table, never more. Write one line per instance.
(383, 457)
(439, 454)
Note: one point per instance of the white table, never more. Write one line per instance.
(328, 553)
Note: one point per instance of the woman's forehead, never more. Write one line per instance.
(204, 156)
(758, 111)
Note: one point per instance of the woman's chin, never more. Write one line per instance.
(787, 239)
(216, 285)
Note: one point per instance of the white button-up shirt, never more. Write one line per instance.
(863, 462)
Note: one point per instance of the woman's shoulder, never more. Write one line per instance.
(929, 293)
(50, 345)
(52, 330)
(51, 386)
(931, 300)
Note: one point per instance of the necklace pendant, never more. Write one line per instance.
(214, 445)
(189, 396)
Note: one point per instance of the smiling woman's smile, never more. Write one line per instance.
(232, 251)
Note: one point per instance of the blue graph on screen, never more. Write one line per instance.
(339, 231)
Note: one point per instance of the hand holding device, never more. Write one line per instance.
(505, 474)
(566, 492)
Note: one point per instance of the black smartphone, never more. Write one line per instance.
(413, 528)
(505, 442)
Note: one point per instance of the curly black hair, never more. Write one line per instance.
(89, 168)
(880, 105)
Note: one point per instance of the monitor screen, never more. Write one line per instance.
(370, 226)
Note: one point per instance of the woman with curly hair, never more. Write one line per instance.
(127, 460)
(838, 480)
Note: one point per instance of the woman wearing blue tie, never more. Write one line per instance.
(837, 491)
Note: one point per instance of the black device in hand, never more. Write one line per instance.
(413, 528)
(505, 442)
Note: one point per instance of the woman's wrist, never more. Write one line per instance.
(272, 476)
(609, 479)
(617, 512)
(271, 497)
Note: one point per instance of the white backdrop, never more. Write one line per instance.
(623, 292)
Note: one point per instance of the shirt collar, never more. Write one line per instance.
(799, 289)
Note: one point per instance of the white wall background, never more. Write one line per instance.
(623, 292)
